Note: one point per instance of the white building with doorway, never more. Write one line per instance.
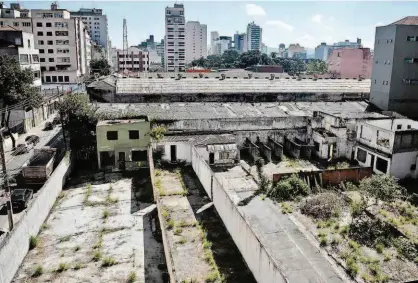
(389, 146)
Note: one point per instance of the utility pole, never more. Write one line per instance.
(6, 182)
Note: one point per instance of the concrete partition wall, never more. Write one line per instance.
(15, 245)
(203, 171)
(258, 260)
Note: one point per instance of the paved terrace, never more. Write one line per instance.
(257, 84)
(184, 111)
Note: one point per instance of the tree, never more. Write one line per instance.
(273, 55)
(16, 86)
(250, 58)
(316, 67)
(100, 66)
(230, 58)
(201, 62)
(297, 67)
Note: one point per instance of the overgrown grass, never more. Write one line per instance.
(87, 194)
(208, 256)
(38, 271)
(97, 255)
(182, 241)
(105, 214)
(170, 224)
(109, 261)
(64, 239)
(62, 267)
(131, 277)
(78, 266)
(76, 248)
(33, 242)
(45, 226)
(177, 231)
(286, 208)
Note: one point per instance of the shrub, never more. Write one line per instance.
(380, 248)
(406, 248)
(62, 267)
(170, 224)
(108, 261)
(105, 214)
(97, 256)
(38, 271)
(352, 267)
(322, 206)
(178, 231)
(78, 266)
(131, 277)
(33, 242)
(288, 189)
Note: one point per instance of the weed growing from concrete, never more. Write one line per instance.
(212, 277)
(178, 231)
(64, 239)
(182, 241)
(97, 255)
(208, 255)
(131, 277)
(157, 172)
(183, 185)
(105, 214)
(62, 267)
(87, 194)
(33, 242)
(109, 261)
(99, 243)
(76, 248)
(286, 208)
(78, 266)
(38, 271)
(170, 224)
(45, 226)
(111, 230)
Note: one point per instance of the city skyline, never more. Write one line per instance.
(308, 23)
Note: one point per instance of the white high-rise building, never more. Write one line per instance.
(196, 41)
(175, 39)
(96, 22)
(214, 35)
(64, 43)
(254, 36)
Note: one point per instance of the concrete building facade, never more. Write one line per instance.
(322, 51)
(347, 43)
(64, 43)
(254, 36)
(196, 41)
(296, 51)
(14, 42)
(395, 67)
(222, 44)
(132, 60)
(214, 35)
(175, 39)
(240, 42)
(351, 62)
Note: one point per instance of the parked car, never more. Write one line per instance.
(56, 121)
(49, 126)
(21, 197)
(32, 139)
(21, 149)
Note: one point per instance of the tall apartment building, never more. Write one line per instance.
(240, 42)
(196, 41)
(175, 39)
(214, 35)
(394, 84)
(347, 43)
(254, 36)
(14, 42)
(351, 62)
(296, 51)
(63, 42)
(159, 47)
(322, 51)
(136, 60)
(222, 44)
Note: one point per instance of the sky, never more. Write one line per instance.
(307, 23)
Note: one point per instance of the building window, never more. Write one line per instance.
(139, 155)
(43, 69)
(60, 79)
(408, 127)
(381, 165)
(399, 127)
(40, 33)
(35, 58)
(411, 60)
(66, 79)
(41, 51)
(48, 79)
(413, 167)
(49, 33)
(52, 69)
(63, 51)
(51, 60)
(361, 155)
(61, 33)
(48, 25)
(410, 81)
(50, 51)
(40, 42)
(26, 24)
(54, 79)
(39, 25)
(64, 59)
(411, 38)
(24, 59)
(62, 42)
(16, 24)
(42, 60)
(28, 43)
(133, 135)
(61, 25)
(112, 135)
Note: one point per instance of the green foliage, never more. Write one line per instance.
(380, 248)
(33, 242)
(38, 271)
(157, 133)
(100, 66)
(62, 267)
(322, 206)
(286, 208)
(382, 187)
(406, 248)
(131, 277)
(97, 255)
(109, 261)
(288, 189)
(352, 266)
(315, 67)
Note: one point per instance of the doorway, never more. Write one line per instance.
(372, 161)
(211, 158)
(173, 153)
(122, 160)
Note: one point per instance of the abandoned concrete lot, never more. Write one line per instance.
(99, 231)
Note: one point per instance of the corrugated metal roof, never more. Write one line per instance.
(221, 147)
(239, 85)
(201, 139)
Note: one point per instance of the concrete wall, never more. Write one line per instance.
(203, 171)
(336, 176)
(370, 161)
(15, 245)
(183, 150)
(402, 165)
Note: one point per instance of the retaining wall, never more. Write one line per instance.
(203, 171)
(15, 245)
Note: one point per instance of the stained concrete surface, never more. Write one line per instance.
(77, 230)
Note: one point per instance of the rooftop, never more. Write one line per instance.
(394, 124)
(411, 20)
(184, 111)
(234, 84)
(201, 139)
(114, 122)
